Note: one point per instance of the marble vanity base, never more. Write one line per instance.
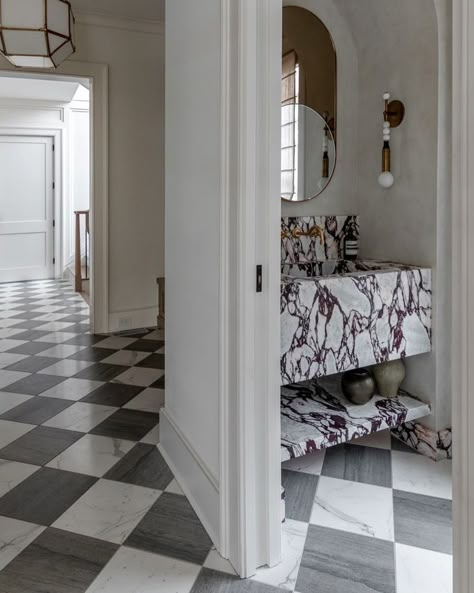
(315, 415)
(434, 444)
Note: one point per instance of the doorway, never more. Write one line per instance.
(53, 148)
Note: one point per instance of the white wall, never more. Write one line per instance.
(193, 184)
(409, 222)
(136, 166)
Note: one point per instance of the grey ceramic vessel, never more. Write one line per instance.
(389, 376)
(358, 386)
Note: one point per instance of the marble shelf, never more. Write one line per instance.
(315, 415)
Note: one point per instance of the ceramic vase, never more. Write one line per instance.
(358, 386)
(389, 376)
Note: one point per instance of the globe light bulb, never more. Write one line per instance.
(386, 180)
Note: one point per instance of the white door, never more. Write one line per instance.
(26, 208)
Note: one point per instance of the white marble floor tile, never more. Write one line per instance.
(308, 464)
(62, 351)
(419, 474)
(355, 507)
(423, 571)
(153, 437)
(149, 400)
(15, 536)
(6, 359)
(50, 317)
(214, 561)
(9, 322)
(9, 377)
(108, 511)
(66, 368)
(46, 308)
(8, 344)
(141, 377)
(158, 334)
(81, 417)
(57, 337)
(8, 401)
(174, 488)
(126, 357)
(13, 473)
(11, 431)
(284, 575)
(92, 455)
(379, 440)
(72, 389)
(133, 571)
(7, 314)
(10, 332)
(54, 326)
(115, 343)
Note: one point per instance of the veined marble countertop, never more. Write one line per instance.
(342, 315)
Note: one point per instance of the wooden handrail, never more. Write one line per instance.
(78, 255)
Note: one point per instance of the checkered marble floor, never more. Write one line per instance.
(88, 505)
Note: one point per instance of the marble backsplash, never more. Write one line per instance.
(315, 238)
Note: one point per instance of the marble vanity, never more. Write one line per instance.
(336, 315)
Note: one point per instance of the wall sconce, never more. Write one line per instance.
(392, 117)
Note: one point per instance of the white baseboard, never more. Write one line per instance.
(198, 484)
(133, 319)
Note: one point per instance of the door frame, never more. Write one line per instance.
(56, 136)
(463, 294)
(97, 74)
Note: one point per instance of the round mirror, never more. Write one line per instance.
(308, 153)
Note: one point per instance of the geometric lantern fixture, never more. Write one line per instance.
(36, 33)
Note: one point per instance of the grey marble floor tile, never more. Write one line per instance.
(300, 491)
(154, 361)
(40, 445)
(101, 372)
(92, 354)
(31, 348)
(211, 581)
(172, 528)
(127, 424)
(56, 562)
(44, 496)
(37, 410)
(113, 394)
(32, 364)
(142, 466)
(35, 384)
(423, 521)
(340, 562)
(146, 345)
(359, 464)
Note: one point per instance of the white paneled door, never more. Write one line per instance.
(26, 208)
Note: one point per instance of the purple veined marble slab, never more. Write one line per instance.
(300, 242)
(376, 312)
(315, 415)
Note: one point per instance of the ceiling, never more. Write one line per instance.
(37, 89)
(149, 10)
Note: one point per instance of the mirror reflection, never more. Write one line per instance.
(309, 101)
(308, 154)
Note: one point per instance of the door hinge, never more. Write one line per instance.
(54, 260)
(54, 224)
(54, 147)
(259, 278)
(54, 185)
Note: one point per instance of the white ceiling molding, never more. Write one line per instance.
(93, 19)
